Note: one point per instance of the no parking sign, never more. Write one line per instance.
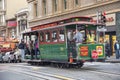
(94, 54)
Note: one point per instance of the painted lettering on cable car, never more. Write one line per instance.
(99, 50)
(84, 51)
(43, 26)
(73, 19)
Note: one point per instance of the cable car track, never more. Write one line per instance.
(93, 70)
(104, 72)
(42, 75)
(34, 71)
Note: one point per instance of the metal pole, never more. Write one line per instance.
(97, 32)
(97, 17)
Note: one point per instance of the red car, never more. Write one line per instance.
(5, 49)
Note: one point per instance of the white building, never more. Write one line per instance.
(2, 17)
(22, 22)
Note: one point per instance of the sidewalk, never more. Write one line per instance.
(113, 59)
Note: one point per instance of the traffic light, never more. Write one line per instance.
(103, 18)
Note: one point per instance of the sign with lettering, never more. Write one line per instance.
(54, 24)
(99, 49)
(83, 51)
(94, 54)
(11, 23)
(43, 26)
(110, 19)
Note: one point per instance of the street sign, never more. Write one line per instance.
(99, 50)
(101, 29)
(94, 54)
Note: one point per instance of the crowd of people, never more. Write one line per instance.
(31, 48)
(79, 39)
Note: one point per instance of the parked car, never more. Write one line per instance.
(9, 57)
(1, 60)
(5, 49)
(18, 56)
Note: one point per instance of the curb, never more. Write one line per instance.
(113, 61)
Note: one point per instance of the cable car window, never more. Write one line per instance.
(70, 35)
(54, 36)
(41, 37)
(91, 38)
(83, 34)
(47, 35)
(61, 35)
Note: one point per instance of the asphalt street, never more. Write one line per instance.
(90, 71)
(10, 75)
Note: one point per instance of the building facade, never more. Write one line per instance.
(46, 11)
(2, 17)
(22, 22)
(8, 23)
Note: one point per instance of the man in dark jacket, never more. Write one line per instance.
(21, 47)
(117, 52)
(107, 49)
(36, 48)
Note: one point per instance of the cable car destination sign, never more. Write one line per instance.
(54, 24)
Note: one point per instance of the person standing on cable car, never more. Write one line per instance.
(21, 47)
(107, 49)
(78, 37)
(31, 48)
(36, 48)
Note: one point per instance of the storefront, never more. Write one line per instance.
(110, 33)
(11, 29)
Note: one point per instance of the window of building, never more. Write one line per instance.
(12, 32)
(3, 33)
(23, 25)
(35, 9)
(44, 7)
(0, 19)
(55, 5)
(101, 0)
(76, 2)
(65, 4)
(19, 26)
(98, 0)
(0, 4)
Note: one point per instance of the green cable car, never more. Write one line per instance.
(57, 44)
